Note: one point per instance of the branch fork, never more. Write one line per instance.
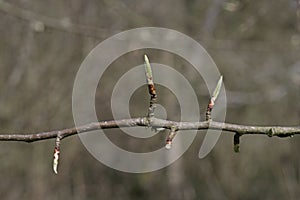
(157, 124)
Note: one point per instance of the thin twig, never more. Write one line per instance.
(96, 32)
(298, 15)
(56, 153)
(170, 137)
(279, 131)
(236, 142)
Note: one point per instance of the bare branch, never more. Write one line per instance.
(279, 131)
(155, 123)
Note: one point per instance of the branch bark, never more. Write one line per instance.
(279, 131)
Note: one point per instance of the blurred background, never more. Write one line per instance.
(255, 44)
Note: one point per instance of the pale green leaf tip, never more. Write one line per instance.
(218, 87)
(55, 168)
(147, 67)
(221, 78)
(55, 161)
(146, 59)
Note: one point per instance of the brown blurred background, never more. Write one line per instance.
(255, 44)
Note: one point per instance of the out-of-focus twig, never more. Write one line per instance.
(41, 20)
(298, 15)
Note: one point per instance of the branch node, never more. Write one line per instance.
(271, 132)
(170, 137)
(145, 121)
(236, 142)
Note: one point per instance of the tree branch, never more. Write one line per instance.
(279, 131)
(155, 123)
